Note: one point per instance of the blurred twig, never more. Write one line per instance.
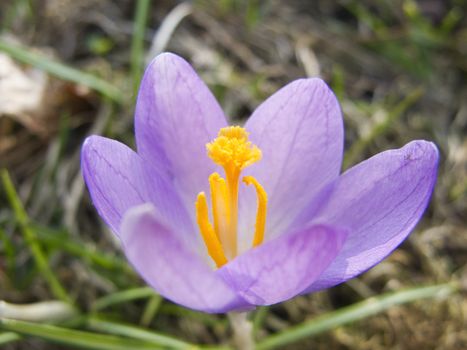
(224, 38)
(45, 311)
(167, 28)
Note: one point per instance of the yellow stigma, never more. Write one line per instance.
(231, 150)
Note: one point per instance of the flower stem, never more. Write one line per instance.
(242, 330)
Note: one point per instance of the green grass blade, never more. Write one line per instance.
(9, 337)
(122, 297)
(137, 43)
(353, 313)
(61, 71)
(8, 250)
(32, 239)
(60, 239)
(198, 316)
(258, 318)
(74, 338)
(151, 309)
(137, 333)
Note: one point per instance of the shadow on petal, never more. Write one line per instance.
(171, 267)
(379, 201)
(280, 269)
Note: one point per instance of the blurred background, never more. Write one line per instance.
(71, 68)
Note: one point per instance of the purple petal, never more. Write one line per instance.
(280, 269)
(176, 115)
(300, 132)
(117, 181)
(170, 268)
(379, 201)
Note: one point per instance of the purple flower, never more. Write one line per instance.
(299, 228)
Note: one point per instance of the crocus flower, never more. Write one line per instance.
(220, 218)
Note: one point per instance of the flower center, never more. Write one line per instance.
(231, 150)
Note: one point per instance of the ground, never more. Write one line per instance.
(399, 71)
